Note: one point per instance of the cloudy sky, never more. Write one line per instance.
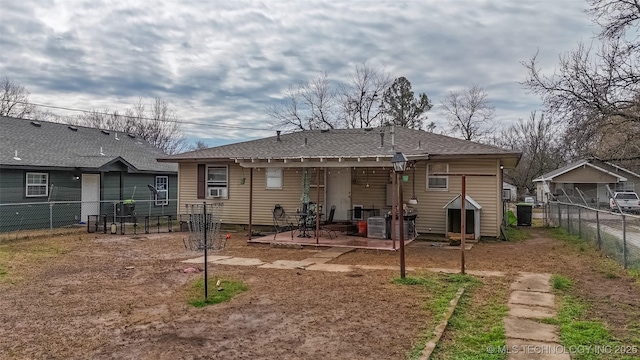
(221, 63)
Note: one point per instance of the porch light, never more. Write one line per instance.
(399, 162)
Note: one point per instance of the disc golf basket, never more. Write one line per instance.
(204, 227)
(204, 232)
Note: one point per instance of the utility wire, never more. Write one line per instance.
(144, 118)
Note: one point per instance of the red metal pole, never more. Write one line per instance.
(393, 209)
(250, 201)
(401, 224)
(463, 222)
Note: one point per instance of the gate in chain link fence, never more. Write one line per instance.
(615, 234)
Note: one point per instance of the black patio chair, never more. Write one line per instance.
(281, 221)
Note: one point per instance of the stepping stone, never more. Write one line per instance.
(531, 312)
(532, 282)
(532, 298)
(330, 267)
(525, 350)
(210, 258)
(240, 261)
(518, 328)
(287, 264)
(376, 267)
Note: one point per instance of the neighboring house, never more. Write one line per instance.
(586, 181)
(49, 163)
(510, 191)
(348, 168)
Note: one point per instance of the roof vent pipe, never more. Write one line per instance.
(419, 145)
(305, 142)
(381, 139)
(278, 135)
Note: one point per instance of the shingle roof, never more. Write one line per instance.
(596, 164)
(346, 143)
(59, 145)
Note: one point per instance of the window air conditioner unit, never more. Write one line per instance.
(216, 192)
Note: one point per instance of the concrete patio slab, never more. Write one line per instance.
(518, 328)
(330, 267)
(240, 261)
(532, 282)
(525, 350)
(287, 264)
(210, 258)
(532, 298)
(531, 312)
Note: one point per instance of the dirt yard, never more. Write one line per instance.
(104, 296)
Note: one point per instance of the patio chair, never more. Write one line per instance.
(281, 221)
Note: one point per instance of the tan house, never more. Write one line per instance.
(348, 168)
(586, 180)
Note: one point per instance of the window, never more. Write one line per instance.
(162, 185)
(217, 182)
(437, 182)
(274, 178)
(37, 184)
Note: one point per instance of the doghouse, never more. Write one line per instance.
(472, 227)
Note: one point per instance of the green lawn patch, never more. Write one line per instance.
(514, 234)
(560, 282)
(475, 328)
(444, 288)
(217, 294)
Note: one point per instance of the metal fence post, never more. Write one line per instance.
(568, 219)
(579, 223)
(624, 241)
(50, 215)
(598, 230)
(559, 215)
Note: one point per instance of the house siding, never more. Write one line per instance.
(236, 206)
(486, 190)
(583, 173)
(21, 212)
(483, 189)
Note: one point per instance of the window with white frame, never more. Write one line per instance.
(437, 182)
(274, 178)
(217, 182)
(162, 185)
(37, 184)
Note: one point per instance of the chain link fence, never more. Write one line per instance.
(616, 235)
(131, 216)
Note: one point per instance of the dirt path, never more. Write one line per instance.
(87, 296)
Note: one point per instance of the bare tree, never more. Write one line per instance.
(159, 126)
(469, 113)
(310, 105)
(14, 100)
(541, 145)
(198, 145)
(401, 107)
(596, 88)
(361, 96)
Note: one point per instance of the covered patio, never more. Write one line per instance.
(337, 239)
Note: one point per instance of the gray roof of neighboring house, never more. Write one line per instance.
(346, 143)
(597, 164)
(54, 145)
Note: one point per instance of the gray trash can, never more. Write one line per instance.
(524, 213)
